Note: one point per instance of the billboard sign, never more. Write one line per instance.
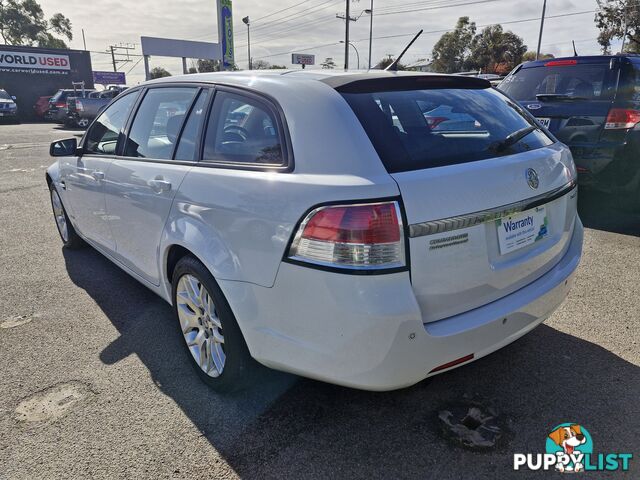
(225, 27)
(109, 78)
(28, 62)
(301, 59)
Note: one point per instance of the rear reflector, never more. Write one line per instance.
(560, 63)
(363, 236)
(622, 118)
(453, 363)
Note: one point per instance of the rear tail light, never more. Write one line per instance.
(433, 122)
(61, 104)
(357, 237)
(622, 118)
(79, 106)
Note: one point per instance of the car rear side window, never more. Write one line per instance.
(188, 140)
(242, 130)
(417, 129)
(590, 81)
(157, 124)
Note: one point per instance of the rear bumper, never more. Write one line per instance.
(367, 331)
(609, 167)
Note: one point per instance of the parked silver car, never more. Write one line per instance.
(318, 223)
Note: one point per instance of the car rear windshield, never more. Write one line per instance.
(590, 81)
(418, 129)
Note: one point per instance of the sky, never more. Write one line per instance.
(279, 27)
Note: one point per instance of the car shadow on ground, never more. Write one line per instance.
(288, 427)
(600, 211)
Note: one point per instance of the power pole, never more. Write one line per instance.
(370, 33)
(544, 8)
(346, 37)
(125, 56)
(113, 59)
(347, 18)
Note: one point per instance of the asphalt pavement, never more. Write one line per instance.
(95, 382)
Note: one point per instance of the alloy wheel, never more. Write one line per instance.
(200, 325)
(58, 213)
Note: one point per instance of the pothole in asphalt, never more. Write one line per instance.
(471, 426)
(53, 402)
(18, 320)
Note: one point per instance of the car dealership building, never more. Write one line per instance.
(28, 73)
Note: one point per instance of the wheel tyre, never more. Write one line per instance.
(72, 240)
(82, 123)
(239, 367)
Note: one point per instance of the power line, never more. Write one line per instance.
(509, 22)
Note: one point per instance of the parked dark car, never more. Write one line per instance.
(82, 111)
(8, 107)
(592, 104)
(58, 111)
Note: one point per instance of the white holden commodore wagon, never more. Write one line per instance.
(365, 229)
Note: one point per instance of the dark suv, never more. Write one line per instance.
(592, 104)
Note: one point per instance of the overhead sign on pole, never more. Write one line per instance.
(225, 33)
(109, 78)
(302, 59)
(168, 47)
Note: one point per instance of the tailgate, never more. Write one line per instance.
(455, 214)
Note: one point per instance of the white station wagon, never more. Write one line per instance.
(364, 229)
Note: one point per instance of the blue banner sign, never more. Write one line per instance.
(109, 78)
(226, 26)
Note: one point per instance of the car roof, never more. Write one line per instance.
(337, 79)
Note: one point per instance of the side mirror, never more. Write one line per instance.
(64, 148)
(13, 97)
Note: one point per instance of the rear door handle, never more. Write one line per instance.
(160, 185)
(97, 175)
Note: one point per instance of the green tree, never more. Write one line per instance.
(328, 64)
(386, 61)
(450, 53)
(614, 18)
(530, 56)
(260, 65)
(159, 72)
(22, 22)
(495, 51)
(204, 65)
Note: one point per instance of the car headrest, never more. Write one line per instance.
(173, 127)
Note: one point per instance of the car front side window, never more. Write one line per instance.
(158, 122)
(102, 137)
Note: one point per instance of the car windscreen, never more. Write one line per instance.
(589, 81)
(418, 129)
(4, 95)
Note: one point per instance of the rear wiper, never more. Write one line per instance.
(558, 96)
(512, 139)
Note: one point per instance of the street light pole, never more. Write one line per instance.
(357, 53)
(370, 32)
(247, 23)
(544, 8)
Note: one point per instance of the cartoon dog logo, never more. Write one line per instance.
(568, 437)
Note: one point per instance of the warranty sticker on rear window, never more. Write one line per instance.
(522, 229)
